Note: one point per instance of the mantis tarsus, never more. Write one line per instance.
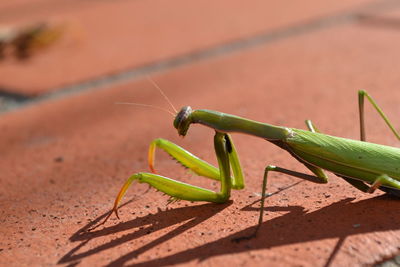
(366, 166)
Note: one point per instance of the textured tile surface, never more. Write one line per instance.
(106, 37)
(62, 162)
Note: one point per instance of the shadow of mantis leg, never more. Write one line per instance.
(360, 185)
(268, 169)
(361, 95)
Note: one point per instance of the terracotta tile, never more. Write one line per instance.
(6, 6)
(63, 162)
(105, 37)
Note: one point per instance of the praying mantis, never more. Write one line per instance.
(366, 166)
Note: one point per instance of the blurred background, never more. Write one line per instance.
(55, 46)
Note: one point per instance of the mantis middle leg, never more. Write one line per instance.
(320, 177)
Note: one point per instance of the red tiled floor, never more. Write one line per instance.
(63, 161)
(105, 37)
(5, 6)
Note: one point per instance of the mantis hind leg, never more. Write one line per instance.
(316, 170)
(360, 185)
(227, 159)
(356, 183)
(361, 95)
(382, 182)
(387, 184)
(311, 127)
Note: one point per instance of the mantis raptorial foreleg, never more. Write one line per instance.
(227, 159)
(199, 166)
(361, 95)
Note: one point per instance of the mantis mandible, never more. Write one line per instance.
(366, 166)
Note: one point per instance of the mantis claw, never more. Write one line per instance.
(116, 212)
(151, 156)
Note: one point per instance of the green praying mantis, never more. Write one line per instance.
(366, 166)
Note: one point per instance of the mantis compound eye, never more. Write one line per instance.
(182, 120)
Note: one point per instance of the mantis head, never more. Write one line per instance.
(183, 120)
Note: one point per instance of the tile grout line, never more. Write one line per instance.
(235, 46)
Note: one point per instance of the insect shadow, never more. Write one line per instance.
(365, 216)
(145, 225)
(160, 220)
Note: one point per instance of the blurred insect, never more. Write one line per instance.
(366, 166)
(23, 42)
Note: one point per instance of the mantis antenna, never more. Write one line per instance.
(152, 106)
(162, 93)
(145, 105)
